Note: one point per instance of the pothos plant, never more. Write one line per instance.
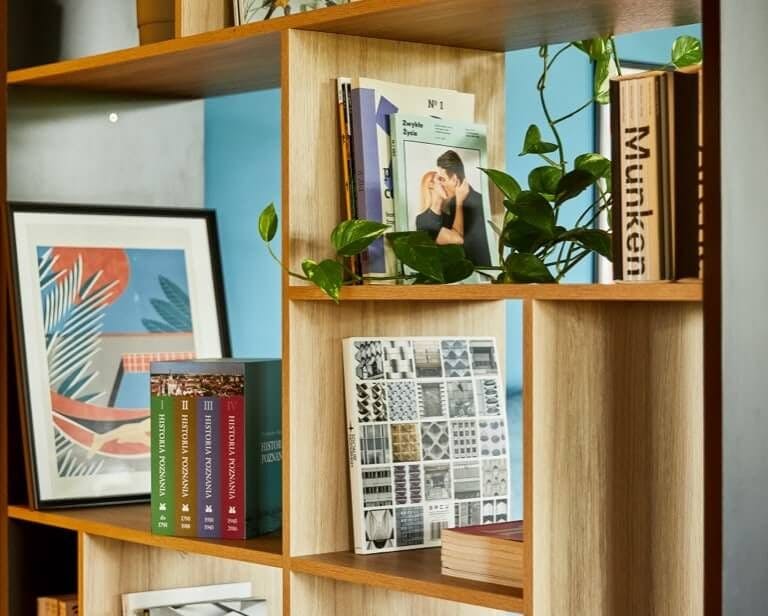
(534, 244)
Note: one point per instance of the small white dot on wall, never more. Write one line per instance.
(113, 117)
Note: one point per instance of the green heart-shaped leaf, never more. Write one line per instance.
(599, 166)
(268, 223)
(532, 144)
(328, 275)
(351, 237)
(543, 180)
(596, 240)
(504, 182)
(686, 51)
(573, 183)
(419, 252)
(525, 268)
(532, 208)
(596, 48)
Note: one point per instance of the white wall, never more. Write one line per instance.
(66, 148)
(745, 298)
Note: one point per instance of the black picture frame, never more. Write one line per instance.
(84, 243)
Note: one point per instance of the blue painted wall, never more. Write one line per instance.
(242, 166)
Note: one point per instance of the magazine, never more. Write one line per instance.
(439, 187)
(373, 102)
(427, 439)
(136, 603)
(250, 607)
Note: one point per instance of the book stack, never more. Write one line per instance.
(427, 439)
(60, 605)
(491, 553)
(657, 134)
(216, 448)
(411, 158)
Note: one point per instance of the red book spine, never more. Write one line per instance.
(233, 468)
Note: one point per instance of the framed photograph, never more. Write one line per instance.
(603, 268)
(100, 292)
(248, 11)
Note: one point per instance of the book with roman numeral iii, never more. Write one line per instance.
(216, 448)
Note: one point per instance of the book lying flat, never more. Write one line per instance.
(250, 607)
(136, 602)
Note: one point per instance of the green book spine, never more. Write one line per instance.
(163, 474)
(263, 495)
(186, 474)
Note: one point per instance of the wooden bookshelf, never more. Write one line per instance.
(131, 524)
(247, 57)
(651, 292)
(416, 571)
(613, 417)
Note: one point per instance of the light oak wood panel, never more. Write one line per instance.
(617, 462)
(415, 572)
(198, 16)
(323, 597)
(112, 567)
(312, 175)
(641, 292)
(247, 57)
(132, 523)
(319, 506)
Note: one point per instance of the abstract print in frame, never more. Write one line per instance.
(100, 293)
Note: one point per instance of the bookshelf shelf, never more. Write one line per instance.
(248, 57)
(130, 523)
(651, 292)
(416, 571)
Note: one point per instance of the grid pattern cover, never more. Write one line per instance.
(427, 439)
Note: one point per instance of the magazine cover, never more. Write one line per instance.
(253, 607)
(427, 439)
(439, 187)
(373, 102)
(257, 10)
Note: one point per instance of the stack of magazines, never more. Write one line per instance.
(411, 158)
(492, 553)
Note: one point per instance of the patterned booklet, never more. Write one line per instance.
(427, 439)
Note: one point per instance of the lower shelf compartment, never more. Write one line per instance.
(415, 571)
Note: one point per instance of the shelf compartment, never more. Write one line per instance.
(111, 567)
(131, 523)
(248, 57)
(415, 571)
(634, 292)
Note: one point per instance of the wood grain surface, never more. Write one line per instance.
(198, 16)
(112, 567)
(617, 459)
(248, 57)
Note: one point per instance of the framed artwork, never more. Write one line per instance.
(100, 292)
(603, 268)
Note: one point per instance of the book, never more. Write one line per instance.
(259, 10)
(136, 602)
(59, 605)
(439, 187)
(349, 207)
(209, 466)
(228, 443)
(640, 181)
(373, 102)
(163, 475)
(493, 553)
(185, 418)
(249, 607)
(685, 88)
(426, 436)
